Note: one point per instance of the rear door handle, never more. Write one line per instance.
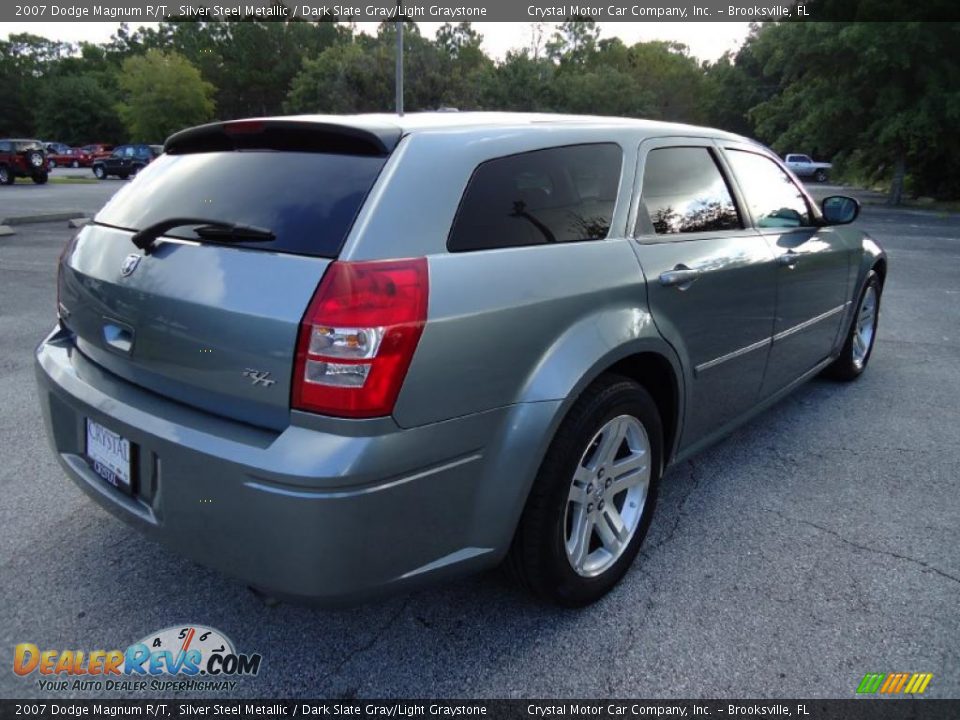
(680, 277)
(788, 259)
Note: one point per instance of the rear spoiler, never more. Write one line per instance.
(283, 134)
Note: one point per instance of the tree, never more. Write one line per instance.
(23, 60)
(342, 79)
(163, 93)
(76, 109)
(252, 63)
(733, 85)
(575, 40)
(359, 76)
(519, 82)
(469, 66)
(884, 96)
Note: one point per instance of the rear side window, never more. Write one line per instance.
(563, 194)
(684, 192)
(307, 200)
(774, 200)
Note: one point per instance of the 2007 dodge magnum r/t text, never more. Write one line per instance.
(456, 339)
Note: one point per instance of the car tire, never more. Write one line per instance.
(6, 177)
(99, 172)
(123, 175)
(74, 164)
(51, 164)
(40, 178)
(862, 335)
(820, 176)
(569, 549)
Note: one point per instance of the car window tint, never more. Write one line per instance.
(774, 200)
(309, 216)
(563, 194)
(684, 191)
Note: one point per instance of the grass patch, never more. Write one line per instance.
(61, 181)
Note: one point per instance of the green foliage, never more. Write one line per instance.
(575, 42)
(75, 109)
(252, 64)
(162, 93)
(885, 96)
(358, 75)
(23, 61)
(880, 99)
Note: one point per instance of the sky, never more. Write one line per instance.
(707, 41)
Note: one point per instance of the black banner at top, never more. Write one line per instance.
(480, 10)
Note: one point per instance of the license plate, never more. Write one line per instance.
(109, 455)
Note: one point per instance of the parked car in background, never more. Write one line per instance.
(126, 160)
(97, 150)
(22, 158)
(457, 338)
(802, 166)
(61, 155)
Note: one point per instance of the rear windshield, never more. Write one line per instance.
(307, 200)
(22, 145)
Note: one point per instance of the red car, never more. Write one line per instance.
(97, 151)
(61, 155)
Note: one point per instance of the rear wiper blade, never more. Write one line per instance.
(209, 229)
(241, 233)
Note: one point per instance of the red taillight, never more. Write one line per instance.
(358, 337)
(244, 127)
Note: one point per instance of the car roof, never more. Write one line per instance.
(384, 130)
(426, 121)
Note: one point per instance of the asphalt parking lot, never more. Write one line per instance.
(819, 542)
(74, 198)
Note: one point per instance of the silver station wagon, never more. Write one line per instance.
(341, 356)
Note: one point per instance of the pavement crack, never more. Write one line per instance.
(369, 644)
(695, 479)
(922, 563)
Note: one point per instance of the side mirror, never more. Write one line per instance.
(839, 209)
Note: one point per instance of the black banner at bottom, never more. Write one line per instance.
(855, 709)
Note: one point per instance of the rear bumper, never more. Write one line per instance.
(330, 511)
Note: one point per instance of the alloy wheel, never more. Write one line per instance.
(607, 496)
(866, 325)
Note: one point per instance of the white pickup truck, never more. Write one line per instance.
(803, 166)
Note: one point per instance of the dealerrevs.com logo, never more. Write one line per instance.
(181, 658)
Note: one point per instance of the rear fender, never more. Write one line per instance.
(592, 346)
(578, 357)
